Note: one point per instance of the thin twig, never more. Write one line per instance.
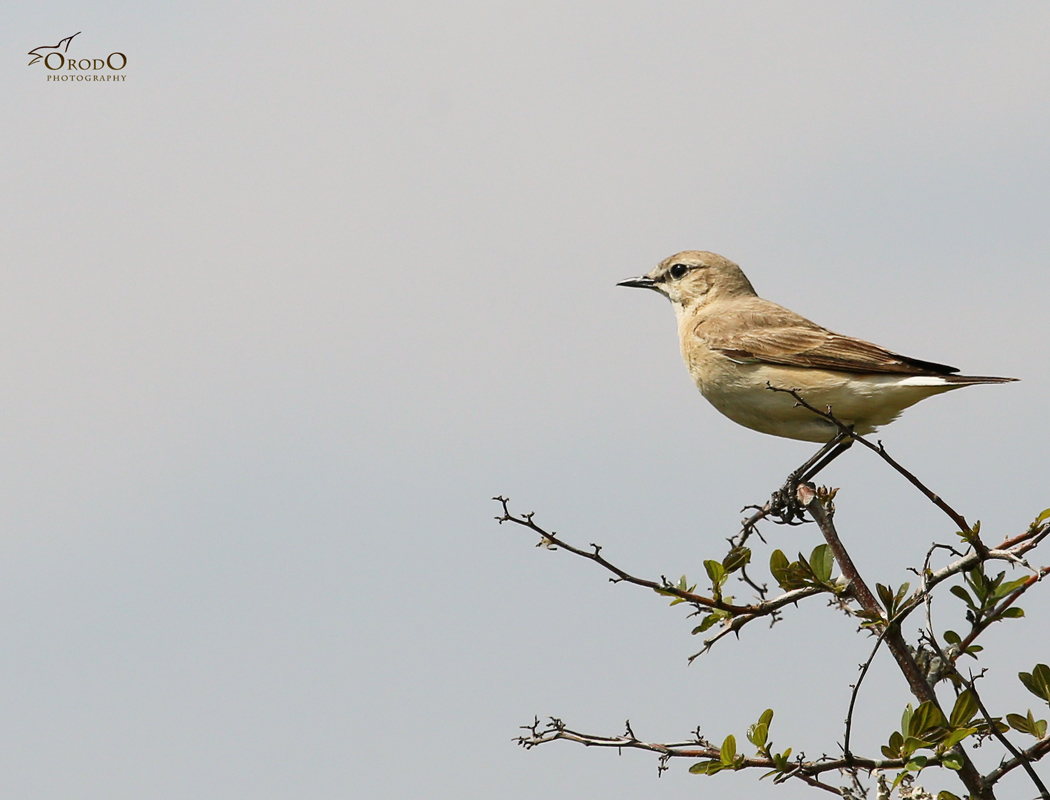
(1033, 753)
(702, 749)
(856, 691)
(955, 516)
(980, 626)
(746, 613)
(998, 734)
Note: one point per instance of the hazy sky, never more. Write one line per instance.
(280, 313)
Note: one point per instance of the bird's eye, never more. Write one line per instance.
(678, 270)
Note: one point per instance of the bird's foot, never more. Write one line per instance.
(784, 507)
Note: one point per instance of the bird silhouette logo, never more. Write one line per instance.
(44, 51)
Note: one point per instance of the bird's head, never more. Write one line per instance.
(693, 277)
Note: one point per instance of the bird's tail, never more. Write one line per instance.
(969, 380)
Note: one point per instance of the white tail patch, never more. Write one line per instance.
(924, 380)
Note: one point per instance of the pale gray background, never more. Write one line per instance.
(282, 312)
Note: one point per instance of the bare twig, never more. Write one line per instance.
(741, 614)
(843, 428)
(856, 691)
(1033, 753)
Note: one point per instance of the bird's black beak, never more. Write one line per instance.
(639, 283)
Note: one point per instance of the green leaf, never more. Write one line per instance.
(781, 760)
(736, 558)
(1019, 723)
(682, 586)
(952, 761)
(767, 717)
(913, 743)
(715, 571)
(706, 767)
(1010, 587)
(964, 710)
(1037, 681)
(728, 752)
(708, 621)
(970, 535)
(963, 595)
(1043, 516)
(906, 717)
(787, 575)
(927, 717)
(778, 562)
(885, 595)
(758, 734)
(902, 590)
(951, 637)
(916, 764)
(1028, 724)
(821, 562)
(955, 737)
(944, 794)
(893, 749)
(1013, 612)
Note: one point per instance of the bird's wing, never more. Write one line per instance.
(770, 334)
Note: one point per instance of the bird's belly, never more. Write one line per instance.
(742, 393)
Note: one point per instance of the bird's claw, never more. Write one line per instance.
(784, 506)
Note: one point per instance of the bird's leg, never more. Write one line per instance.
(784, 503)
(842, 442)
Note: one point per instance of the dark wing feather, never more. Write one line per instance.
(790, 340)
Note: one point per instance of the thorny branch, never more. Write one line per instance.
(920, 687)
(1019, 757)
(697, 748)
(970, 683)
(1012, 549)
(741, 614)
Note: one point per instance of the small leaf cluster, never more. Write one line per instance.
(728, 759)
(985, 593)
(802, 573)
(925, 728)
(972, 536)
(682, 586)
(1038, 683)
(983, 597)
(1043, 517)
(718, 573)
(758, 735)
(892, 600)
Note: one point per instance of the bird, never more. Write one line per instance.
(738, 346)
(44, 50)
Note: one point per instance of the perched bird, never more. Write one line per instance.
(737, 345)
